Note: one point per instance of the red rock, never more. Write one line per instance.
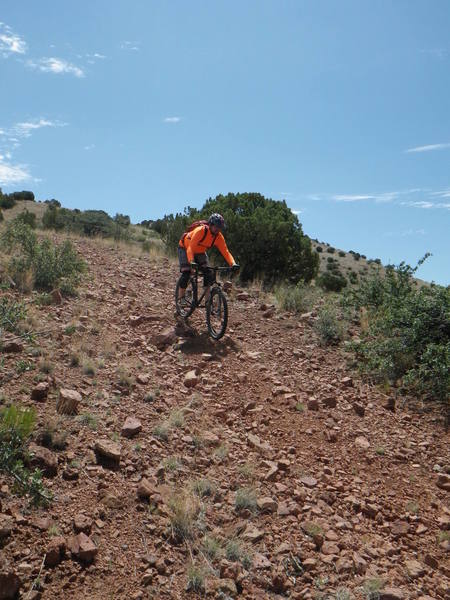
(68, 402)
(392, 594)
(260, 561)
(329, 548)
(431, 561)
(6, 526)
(108, 450)
(313, 404)
(82, 523)
(146, 489)
(308, 481)
(362, 442)
(44, 459)
(164, 338)
(131, 427)
(443, 482)
(399, 528)
(10, 583)
(414, 569)
(40, 392)
(55, 552)
(82, 547)
(267, 504)
(359, 409)
(330, 401)
(191, 379)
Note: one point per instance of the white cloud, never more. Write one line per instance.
(25, 129)
(406, 233)
(440, 53)
(89, 147)
(126, 45)
(56, 65)
(428, 148)
(442, 194)
(172, 119)
(13, 174)
(296, 212)
(351, 197)
(10, 43)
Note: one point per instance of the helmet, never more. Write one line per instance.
(217, 220)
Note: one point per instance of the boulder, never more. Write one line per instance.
(68, 402)
(82, 547)
(131, 427)
(55, 552)
(108, 452)
(40, 392)
(44, 459)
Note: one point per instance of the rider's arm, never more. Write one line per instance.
(222, 247)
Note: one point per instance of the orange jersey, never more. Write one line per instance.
(196, 242)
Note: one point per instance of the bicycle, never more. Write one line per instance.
(216, 306)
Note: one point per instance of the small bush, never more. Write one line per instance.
(52, 435)
(211, 547)
(176, 419)
(202, 488)
(328, 326)
(341, 253)
(295, 298)
(28, 218)
(331, 250)
(246, 499)
(195, 580)
(48, 264)
(332, 282)
(319, 249)
(16, 425)
(11, 314)
(2, 218)
(407, 340)
(184, 509)
(161, 431)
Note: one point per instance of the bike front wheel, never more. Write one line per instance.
(185, 306)
(217, 313)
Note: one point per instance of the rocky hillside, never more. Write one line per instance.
(255, 467)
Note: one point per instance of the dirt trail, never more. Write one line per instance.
(346, 490)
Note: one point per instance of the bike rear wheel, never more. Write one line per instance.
(217, 313)
(186, 305)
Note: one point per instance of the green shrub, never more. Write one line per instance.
(341, 253)
(332, 282)
(28, 218)
(2, 218)
(331, 250)
(16, 426)
(328, 326)
(49, 264)
(6, 201)
(319, 249)
(408, 338)
(264, 236)
(11, 314)
(295, 298)
(246, 499)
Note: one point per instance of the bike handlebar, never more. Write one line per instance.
(196, 266)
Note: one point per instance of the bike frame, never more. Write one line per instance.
(214, 283)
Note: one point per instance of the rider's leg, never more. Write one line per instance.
(185, 272)
(184, 280)
(202, 260)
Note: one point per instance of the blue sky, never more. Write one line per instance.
(144, 107)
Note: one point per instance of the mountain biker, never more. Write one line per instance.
(193, 246)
